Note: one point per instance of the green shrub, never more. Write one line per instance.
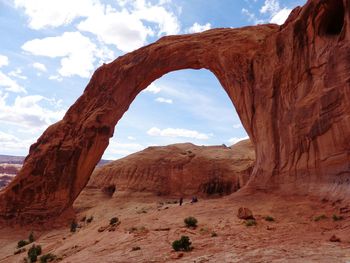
(269, 218)
(31, 237)
(33, 253)
(183, 244)
(337, 218)
(89, 220)
(250, 222)
(22, 243)
(318, 218)
(113, 220)
(191, 221)
(47, 258)
(73, 226)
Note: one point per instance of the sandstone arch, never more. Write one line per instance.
(289, 84)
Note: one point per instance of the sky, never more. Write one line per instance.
(50, 48)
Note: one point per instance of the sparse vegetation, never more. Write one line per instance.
(47, 258)
(135, 248)
(22, 243)
(337, 218)
(214, 234)
(191, 222)
(250, 222)
(19, 251)
(320, 217)
(113, 221)
(89, 220)
(31, 237)
(269, 218)
(73, 226)
(33, 253)
(182, 244)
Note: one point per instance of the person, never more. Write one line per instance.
(181, 201)
(194, 199)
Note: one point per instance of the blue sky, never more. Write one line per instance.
(50, 48)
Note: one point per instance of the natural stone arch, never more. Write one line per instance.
(287, 84)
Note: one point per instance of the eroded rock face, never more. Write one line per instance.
(179, 170)
(290, 86)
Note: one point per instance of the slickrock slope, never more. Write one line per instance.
(290, 85)
(179, 170)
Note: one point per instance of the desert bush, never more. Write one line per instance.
(269, 218)
(183, 244)
(337, 218)
(89, 220)
(250, 222)
(191, 221)
(47, 258)
(113, 220)
(22, 243)
(33, 253)
(135, 248)
(73, 226)
(31, 237)
(318, 218)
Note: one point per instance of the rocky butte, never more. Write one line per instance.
(290, 85)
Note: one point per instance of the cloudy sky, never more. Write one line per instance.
(50, 48)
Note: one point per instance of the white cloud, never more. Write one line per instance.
(163, 100)
(55, 77)
(252, 17)
(126, 29)
(153, 89)
(121, 29)
(4, 61)
(28, 112)
(39, 66)
(117, 148)
(42, 13)
(281, 16)
(10, 84)
(171, 132)
(237, 126)
(76, 51)
(17, 73)
(10, 143)
(270, 6)
(196, 27)
(131, 138)
(234, 140)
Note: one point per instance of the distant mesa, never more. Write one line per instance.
(289, 85)
(179, 170)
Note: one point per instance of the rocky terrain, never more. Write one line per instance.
(9, 167)
(290, 87)
(179, 170)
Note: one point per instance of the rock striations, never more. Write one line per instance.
(179, 170)
(290, 85)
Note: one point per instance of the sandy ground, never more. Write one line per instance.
(152, 224)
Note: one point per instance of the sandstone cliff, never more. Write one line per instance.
(290, 86)
(179, 169)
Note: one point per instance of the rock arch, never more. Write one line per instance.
(289, 84)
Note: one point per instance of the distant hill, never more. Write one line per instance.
(10, 159)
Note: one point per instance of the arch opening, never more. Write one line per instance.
(179, 113)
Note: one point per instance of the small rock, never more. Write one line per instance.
(334, 238)
(245, 213)
(102, 228)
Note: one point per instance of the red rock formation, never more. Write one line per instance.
(289, 85)
(179, 170)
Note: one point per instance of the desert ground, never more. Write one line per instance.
(301, 230)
